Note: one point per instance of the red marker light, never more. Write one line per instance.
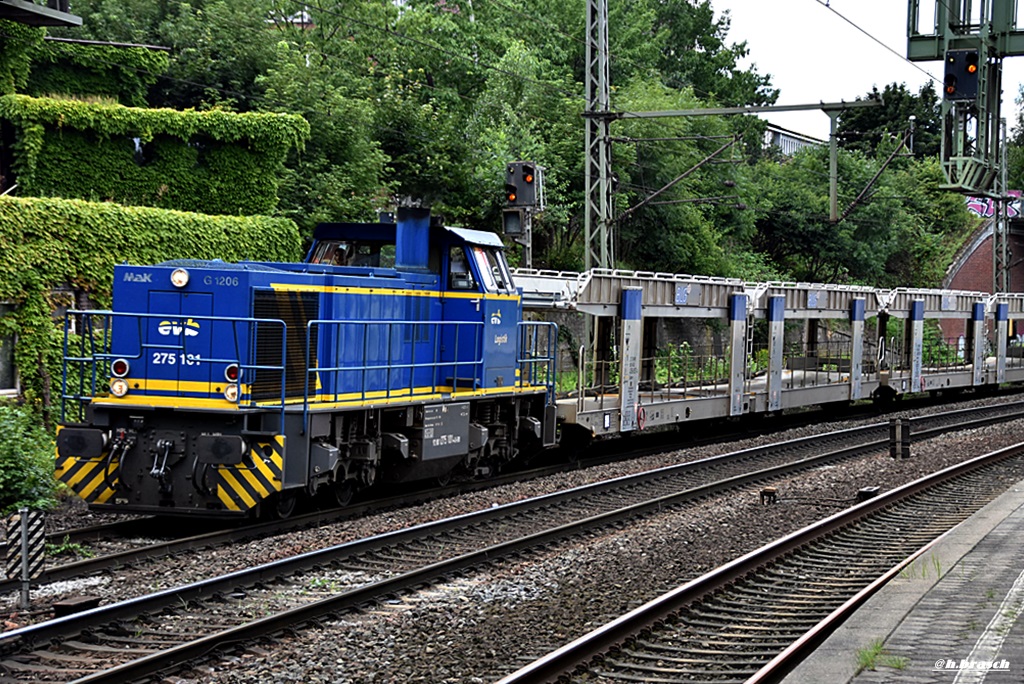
(119, 368)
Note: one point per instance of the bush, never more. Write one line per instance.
(26, 462)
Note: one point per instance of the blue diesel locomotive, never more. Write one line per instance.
(396, 352)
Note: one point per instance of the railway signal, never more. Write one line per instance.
(524, 198)
(963, 70)
(521, 184)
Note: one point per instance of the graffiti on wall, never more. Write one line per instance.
(986, 206)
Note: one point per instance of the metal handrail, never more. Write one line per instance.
(97, 353)
(389, 366)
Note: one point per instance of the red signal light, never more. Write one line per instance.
(232, 373)
(528, 178)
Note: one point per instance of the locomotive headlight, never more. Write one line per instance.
(119, 368)
(231, 393)
(119, 387)
(179, 277)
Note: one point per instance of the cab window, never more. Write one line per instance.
(459, 275)
(368, 253)
(493, 269)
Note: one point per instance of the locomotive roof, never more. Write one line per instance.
(386, 231)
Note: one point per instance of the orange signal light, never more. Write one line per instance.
(511, 197)
(528, 178)
(972, 68)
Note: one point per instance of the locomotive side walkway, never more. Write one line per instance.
(953, 617)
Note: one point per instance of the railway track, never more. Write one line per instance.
(755, 618)
(152, 539)
(108, 546)
(132, 639)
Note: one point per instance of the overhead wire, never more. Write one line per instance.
(826, 5)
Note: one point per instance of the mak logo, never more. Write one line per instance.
(175, 328)
(130, 277)
(496, 317)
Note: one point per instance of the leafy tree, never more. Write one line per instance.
(901, 231)
(219, 47)
(696, 54)
(665, 223)
(1015, 150)
(867, 128)
(339, 175)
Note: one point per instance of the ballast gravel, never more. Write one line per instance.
(484, 625)
(487, 623)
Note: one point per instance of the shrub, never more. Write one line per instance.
(26, 461)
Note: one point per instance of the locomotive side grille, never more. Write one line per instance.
(296, 309)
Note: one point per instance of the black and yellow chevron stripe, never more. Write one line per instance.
(241, 487)
(91, 479)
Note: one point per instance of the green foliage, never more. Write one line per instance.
(429, 99)
(695, 53)
(339, 176)
(72, 69)
(213, 162)
(867, 129)
(218, 47)
(901, 231)
(62, 253)
(26, 461)
(687, 241)
(684, 366)
(17, 45)
(936, 351)
(68, 548)
(1015, 150)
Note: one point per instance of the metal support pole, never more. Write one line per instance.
(833, 168)
(26, 576)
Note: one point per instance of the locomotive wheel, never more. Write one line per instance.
(285, 504)
(343, 493)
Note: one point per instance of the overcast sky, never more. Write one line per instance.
(814, 55)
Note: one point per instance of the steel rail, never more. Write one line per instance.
(157, 662)
(95, 565)
(556, 666)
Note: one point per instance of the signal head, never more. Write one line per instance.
(963, 72)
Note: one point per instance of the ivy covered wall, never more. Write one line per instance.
(17, 43)
(212, 162)
(61, 253)
(122, 73)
